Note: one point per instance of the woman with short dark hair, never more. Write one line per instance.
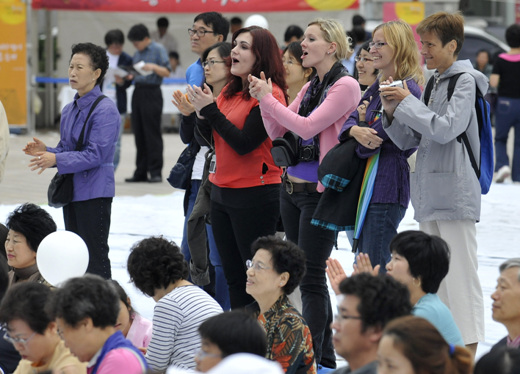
(158, 269)
(88, 214)
(421, 261)
(274, 272)
(33, 333)
(86, 309)
(28, 225)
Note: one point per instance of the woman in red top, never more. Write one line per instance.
(245, 201)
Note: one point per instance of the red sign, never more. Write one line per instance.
(196, 6)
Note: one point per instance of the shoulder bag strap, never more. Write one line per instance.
(79, 144)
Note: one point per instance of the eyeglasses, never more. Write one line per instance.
(200, 32)
(211, 63)
(255, 265)
(377, 45)
(13, 340)
(363, 59)
(200, 354)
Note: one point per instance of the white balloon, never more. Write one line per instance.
(62, 255)
(256, 20)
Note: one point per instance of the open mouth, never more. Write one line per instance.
(304, 54)
(234, 61)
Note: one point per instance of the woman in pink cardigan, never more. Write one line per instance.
(316, 116)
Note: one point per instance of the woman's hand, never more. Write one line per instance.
(259, 87)
(392, 96)
(32, 148)
(366, 136)
(335, 273)
(364, 265)
(200, 97)
(181, 102)
(362, 109)
(42, 161)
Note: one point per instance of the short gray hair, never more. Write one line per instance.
(511, 263)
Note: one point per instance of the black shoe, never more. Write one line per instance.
(134, 180)
(155, 179)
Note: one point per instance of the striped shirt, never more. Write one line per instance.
(176, 319)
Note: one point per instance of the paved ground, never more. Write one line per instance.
(21, 185)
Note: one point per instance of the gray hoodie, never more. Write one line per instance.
(444, 185)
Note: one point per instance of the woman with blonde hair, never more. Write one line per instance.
(412, 345)
(395, 54)
(316, 116)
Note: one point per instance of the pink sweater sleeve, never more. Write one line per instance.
(119, 361)
(280, 119)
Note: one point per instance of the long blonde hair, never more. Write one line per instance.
(333, 32)
(399, 36)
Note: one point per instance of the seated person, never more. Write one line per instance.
(274, 272)
(134, 327)
(226, 334)
(504, 360)
(158, 269)
(421, 261)
(86, 310)
(506, 303)
(28, 225)
(367, 303)
(413, 345)
(33, 333)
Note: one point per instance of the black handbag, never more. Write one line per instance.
(61, 188)
(285, 150)
(180, 175)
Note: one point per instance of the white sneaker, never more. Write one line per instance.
(502, 174)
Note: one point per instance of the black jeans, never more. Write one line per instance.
(297, 210)
(147, 103)
(239, 216)
(90, 219)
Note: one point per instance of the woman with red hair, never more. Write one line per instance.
(245, 202)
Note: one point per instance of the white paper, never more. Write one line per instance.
(139, 68)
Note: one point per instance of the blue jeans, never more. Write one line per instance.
(297, 210)
(507, 115)
(381, 223)
(221, 287)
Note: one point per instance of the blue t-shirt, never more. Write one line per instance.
(195, 73)
(431, 308)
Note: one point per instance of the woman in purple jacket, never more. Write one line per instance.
(88, 215)
(395, 54)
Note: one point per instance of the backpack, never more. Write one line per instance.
(484, 171)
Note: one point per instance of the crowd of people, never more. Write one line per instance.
(419, 309)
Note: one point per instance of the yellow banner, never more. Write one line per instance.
(13, 60)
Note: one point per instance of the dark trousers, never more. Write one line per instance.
(297, 210)
(90, 219)
(147, 103)
(238, 217)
